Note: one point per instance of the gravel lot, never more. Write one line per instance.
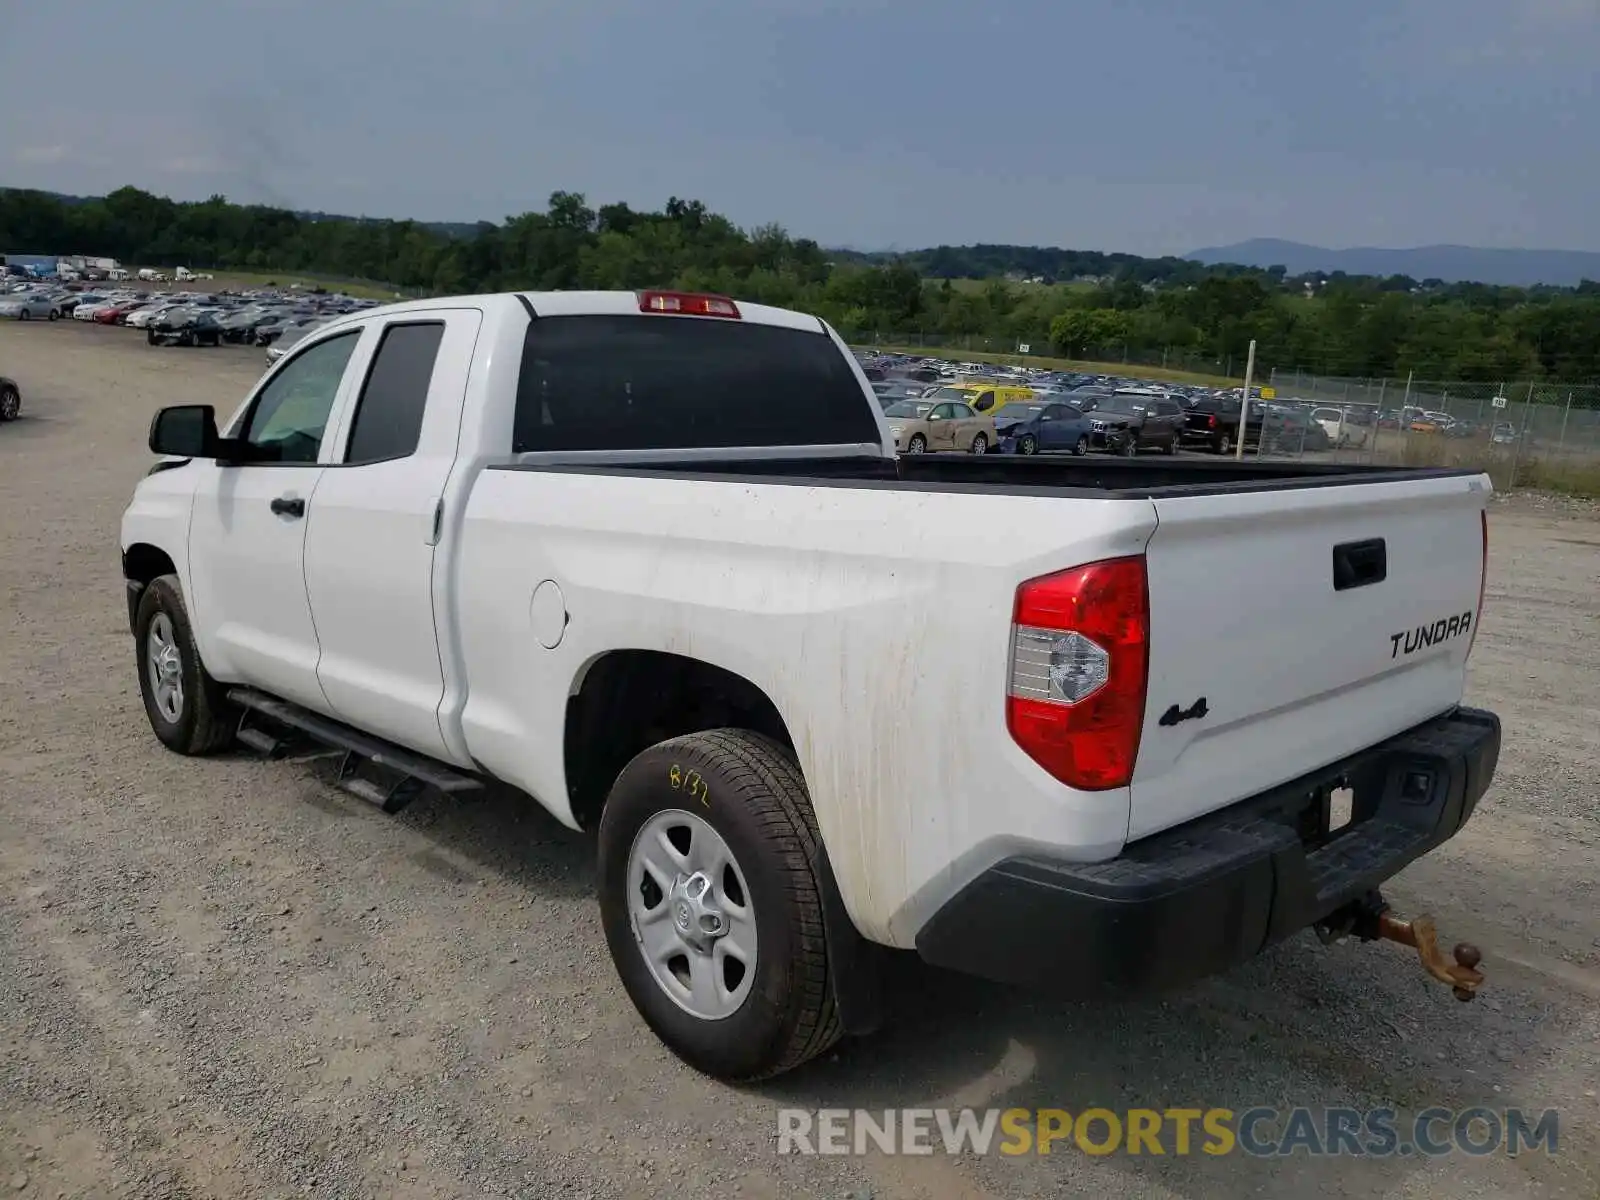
(223, 978)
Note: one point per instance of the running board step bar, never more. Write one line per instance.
(377, 771)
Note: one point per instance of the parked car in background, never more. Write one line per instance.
(1127, 422)
(1038, 428)
(140, 318)
(988, 398)
(88, 304)
(10, 399)
(1342, 431)
(185, 327)
(894, 391)
(285, 341)
(1289, 430)
(914, 374)
(927, 426)
(993, 400)
(29, 306)
(1211, 422)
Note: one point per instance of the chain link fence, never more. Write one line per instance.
(1522, 433)
(1526, 434)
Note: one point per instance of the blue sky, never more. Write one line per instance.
(1152, 126)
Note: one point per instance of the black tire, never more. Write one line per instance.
(10, 402)
(1223, 444)
(1130, 445)
(54, 314)
(23, 315)
(1027, 444)
(756, 801)
(150, 336)
(917, 445)
(1081, 446)
(980, 444)
(205, 722)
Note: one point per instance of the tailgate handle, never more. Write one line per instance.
(1356, 564)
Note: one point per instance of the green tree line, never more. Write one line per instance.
(1136, 309)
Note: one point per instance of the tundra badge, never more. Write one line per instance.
(1441, 630)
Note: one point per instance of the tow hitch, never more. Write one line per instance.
(1370, 920)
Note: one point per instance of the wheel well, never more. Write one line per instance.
(631, 699)
(143, 563)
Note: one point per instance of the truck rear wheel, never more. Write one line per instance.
(187, 708)
(711, 908)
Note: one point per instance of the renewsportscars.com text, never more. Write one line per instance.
(1179, 1132)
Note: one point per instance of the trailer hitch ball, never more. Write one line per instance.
(1462, 976)
(1468, 957)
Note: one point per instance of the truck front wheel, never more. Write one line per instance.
(187, 708)
(711, 908)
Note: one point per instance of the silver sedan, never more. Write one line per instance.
(29, 308)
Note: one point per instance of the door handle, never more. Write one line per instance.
(1359, 564)
(286, 506)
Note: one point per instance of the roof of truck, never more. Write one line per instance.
(573, 304)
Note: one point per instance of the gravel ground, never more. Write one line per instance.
(223, 978)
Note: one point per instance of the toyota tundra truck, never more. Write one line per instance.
(651, 559)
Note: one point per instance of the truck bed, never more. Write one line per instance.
(1100, 477)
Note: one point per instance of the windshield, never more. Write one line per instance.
(1121, 404)
(908, 408)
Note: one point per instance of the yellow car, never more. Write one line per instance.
(985, 398)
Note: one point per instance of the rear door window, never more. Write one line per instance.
(388, 420)
(624, 382)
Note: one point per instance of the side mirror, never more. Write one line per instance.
(185, 431)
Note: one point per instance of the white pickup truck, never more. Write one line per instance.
(650, 558)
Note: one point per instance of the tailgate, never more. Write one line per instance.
(1296, 672)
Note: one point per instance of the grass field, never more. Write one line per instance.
(1570, 474)
(1157, 374)
(362, 290)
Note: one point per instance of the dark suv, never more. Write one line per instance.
(1212, 422)
(1127, 422)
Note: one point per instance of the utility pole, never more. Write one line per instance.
(1405, 421)
(1244, 408)
(1522, 435)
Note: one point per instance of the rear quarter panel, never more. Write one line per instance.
(876, 619)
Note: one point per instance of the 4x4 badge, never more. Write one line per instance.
(1194, 712)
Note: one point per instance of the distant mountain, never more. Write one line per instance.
(1453, 264)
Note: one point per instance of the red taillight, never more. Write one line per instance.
(1079, 668)
(689, 304)
(1211, 421)
(1483, 583)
